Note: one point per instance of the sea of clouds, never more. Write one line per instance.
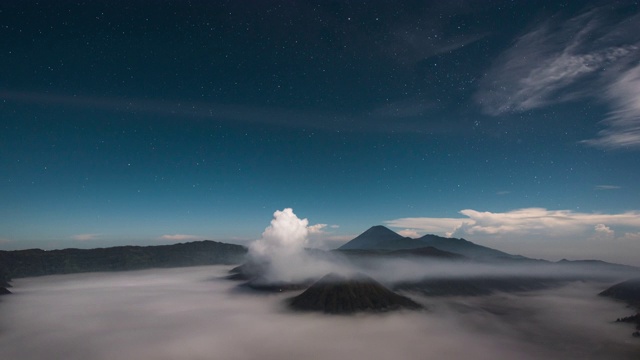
(195, 313)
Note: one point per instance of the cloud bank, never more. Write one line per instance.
(563, 231)
(193, 314)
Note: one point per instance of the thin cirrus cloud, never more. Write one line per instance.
(590, 56)
(521, 222)
(607, 187)
(85, 237)
(180, 237)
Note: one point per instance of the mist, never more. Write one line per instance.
(195, 313)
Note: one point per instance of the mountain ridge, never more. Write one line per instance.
(38, 262)
(380, 237)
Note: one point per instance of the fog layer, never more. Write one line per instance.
(193, 313)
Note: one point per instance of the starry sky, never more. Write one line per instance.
(514, 124)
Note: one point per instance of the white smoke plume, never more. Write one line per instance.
(281, 250)
(287, 235)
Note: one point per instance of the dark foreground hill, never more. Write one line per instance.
(627, 291)
(334, 294)
(37, 262)
(4, 282)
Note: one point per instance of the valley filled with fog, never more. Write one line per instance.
(196, 313)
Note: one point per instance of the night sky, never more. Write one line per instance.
(513, 124)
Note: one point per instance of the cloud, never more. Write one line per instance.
(623, 124)
(528, 221)
(192, 313)
(317, 228)
(85, 237)
(189, 110)
(603, 232)
(412, 233)
(607, 187)
(539, 232)
(428, 225)
(560, 61)
(411, 43)
(180, 237)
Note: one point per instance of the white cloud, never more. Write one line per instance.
(412, 233)
(180, 237)
(591, 55)
(85, 237)
(603, 232)
(528, 221)
(541, 233)
(317, 228)
(428, 225)
(607, 187)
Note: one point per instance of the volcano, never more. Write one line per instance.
(334, 294)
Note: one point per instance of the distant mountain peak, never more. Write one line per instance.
(382, 238)
(371, 238)
(381, 229)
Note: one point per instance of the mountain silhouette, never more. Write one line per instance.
(37, 262)
(426, 252)
(381, 238)
(334, 294)
(373, 238)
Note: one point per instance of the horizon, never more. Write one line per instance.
(515, 126)
(247, 245)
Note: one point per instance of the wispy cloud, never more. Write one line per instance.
(623, 124)
(190, 110)
(180, 237)
(85, 237)
(575, 59)
(413, 44)
(607, 187)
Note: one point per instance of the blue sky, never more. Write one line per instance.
(140, 124)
